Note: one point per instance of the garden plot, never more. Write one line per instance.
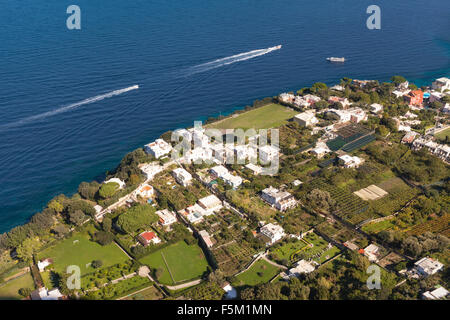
(371, 192)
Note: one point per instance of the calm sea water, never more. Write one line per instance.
(44, 66)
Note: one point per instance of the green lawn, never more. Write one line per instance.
(374, 228)
(186, 262)
(444, 133)
(269, 116)
(319, 251)
(286, 250)
(9, 291)
(260, 272)
(79, 250)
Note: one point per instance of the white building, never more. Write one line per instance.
(206, 238)
(428, 266)
(446, 108)
(254, 168)
(145, 191)
(343, 101)
(350, 162)
(301, 102)
(282, 200)
(210, 203)
(320, 150)
(306, 119)
(301, 267)
(286, 97)
(194, 214)
(166, 217)
(182, 176)
(441, 84)
(158, 148)
(44, 264)
(436, 294)
(376, 108)
(440, 150)
(268, 153)
(183, 133)
(436, 96)
(337, 88)
(199, 155)
(272, 231)
(151, 169)
(371, 252)
(45, 294)
(223, 173)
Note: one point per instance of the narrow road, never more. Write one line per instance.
(185, 285)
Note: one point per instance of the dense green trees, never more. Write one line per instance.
(77, 217)
(88, 190)
(104, 238)
(28, 247)
(320, 200)
(138, 216)
(107, 190)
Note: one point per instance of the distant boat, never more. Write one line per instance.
(334, 59)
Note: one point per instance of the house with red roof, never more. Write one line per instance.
(148, 237)
(414, 98)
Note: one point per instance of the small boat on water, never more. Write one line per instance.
(334, 59)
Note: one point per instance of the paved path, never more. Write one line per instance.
(20, 273)
(185, 285)
(274, 263)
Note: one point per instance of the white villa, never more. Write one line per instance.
(282, 200)
(306, 119)
(441, 84)
(348, 161)
(268, 153)
(210, 204)
(376, 108)
(145, 191)
(158, 148)
(223, 173)
(45, 294)
(166, 217)
(182, 176)
(272, 231)
(428, 266)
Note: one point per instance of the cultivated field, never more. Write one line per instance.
(177, 263)
(269, 116)
(371, 192)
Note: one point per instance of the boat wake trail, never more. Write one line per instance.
(68, 107)
(229, 60)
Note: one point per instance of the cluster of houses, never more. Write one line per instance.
(204, 207)
(418, 142)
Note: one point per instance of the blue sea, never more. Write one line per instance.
(46, 150)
